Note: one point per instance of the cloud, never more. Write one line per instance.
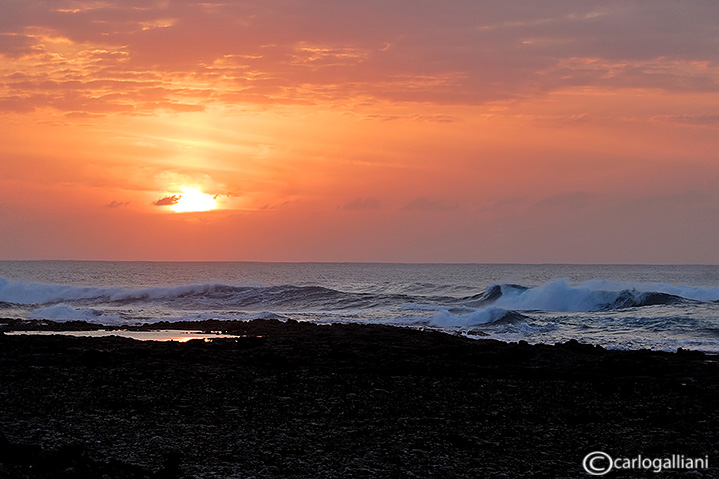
(424, 203)
(437, 118)
(574, 201)
(167, 200)
(706, 120)
(131, 57)
(117, 204)
(13, 45)
(502, 206)
(362, 203)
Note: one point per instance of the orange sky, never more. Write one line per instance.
(467, 131)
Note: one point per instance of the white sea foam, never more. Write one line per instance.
(22, 292)
(558, 295)
(594, 295)
(63, 312)
(555, 296)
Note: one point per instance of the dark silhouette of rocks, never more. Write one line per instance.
(288, 399)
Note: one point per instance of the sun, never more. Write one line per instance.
(193, 199)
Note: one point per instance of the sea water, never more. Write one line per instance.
(616, 306)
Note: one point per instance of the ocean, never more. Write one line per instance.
(616, 306)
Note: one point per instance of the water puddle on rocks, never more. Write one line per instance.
(159, 335)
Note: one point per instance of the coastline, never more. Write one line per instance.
(289, 399)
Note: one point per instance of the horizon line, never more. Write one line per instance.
(498, 263)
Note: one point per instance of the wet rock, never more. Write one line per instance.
(341, 401)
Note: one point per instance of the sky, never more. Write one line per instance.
(521, 131)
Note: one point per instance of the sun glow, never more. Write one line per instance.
(193, 199)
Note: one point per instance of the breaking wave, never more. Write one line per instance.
(490, 315)
(554, 296)
(63, 312)
(589, 296)
(203, 295)
(503, 304)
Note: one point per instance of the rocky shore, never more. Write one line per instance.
(297, 400)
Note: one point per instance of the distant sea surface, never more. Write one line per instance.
(616, 306)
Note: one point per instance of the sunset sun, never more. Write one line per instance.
(360, 131)
(193, 199)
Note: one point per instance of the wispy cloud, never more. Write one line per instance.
(424, 203)
(167, 200)
(573, 200)
(362, 203)
(117, 204)
(708, 120)
(136, 57)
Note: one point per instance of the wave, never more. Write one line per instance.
(63, 312)
(554, 296)
(589, 296)
(490, 315)
(199, 295)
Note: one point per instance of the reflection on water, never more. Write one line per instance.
(160, 335)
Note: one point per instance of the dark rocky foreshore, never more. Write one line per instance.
(344, 401)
